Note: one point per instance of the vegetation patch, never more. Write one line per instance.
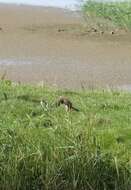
(46, 148)
(107, 15)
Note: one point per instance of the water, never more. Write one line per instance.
(70, 4)
(54, 3)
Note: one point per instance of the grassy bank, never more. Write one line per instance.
(106, 15)
(46, 148)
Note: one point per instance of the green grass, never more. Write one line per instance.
(46, 148)
(108, 14)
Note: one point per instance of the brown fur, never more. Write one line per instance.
(67, 103)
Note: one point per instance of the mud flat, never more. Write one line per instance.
(51, 46)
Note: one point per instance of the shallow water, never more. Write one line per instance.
(68, 75)
(55, 3)
(7, 62)
(126, 87)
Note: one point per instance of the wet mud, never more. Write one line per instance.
(52, 46)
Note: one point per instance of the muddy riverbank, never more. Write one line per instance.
(51, 45)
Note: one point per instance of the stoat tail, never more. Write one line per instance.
(75, 109)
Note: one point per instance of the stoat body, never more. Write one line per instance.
(67, 103)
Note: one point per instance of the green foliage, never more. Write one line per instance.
(117, 13)
(47, 148)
